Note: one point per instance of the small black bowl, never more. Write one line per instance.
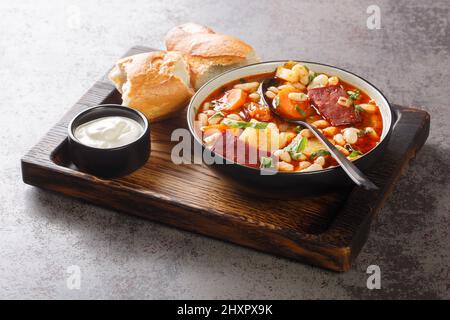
(110, 162)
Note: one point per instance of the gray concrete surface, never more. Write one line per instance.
(52, 51)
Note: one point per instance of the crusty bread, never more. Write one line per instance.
(209, 53)
(155, 83)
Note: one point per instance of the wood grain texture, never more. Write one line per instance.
(326, 230)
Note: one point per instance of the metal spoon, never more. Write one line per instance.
(352, 171)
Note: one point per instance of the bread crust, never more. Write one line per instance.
(206, 49)
(207, 45)
(151, 83)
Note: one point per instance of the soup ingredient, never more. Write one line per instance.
(319, 81)
(351, 135)
(332, 81)
(283, 155)
(266, 162)
(372, 133)
(259, 112)
(359, 108)
(248, 86)
(232, 100)
(290, 108)
(346, 102)
(320, 160)
(354, 95)
(297, 145)
(306, 133)
(254, 97)
(244, 124)
(304, 164)
(302, 73)
(203, 119)
(320, 153)
(284, 166)
(297, 96)
(313, 167)
(313, 146)
(266, 139)
(326, 101)
(270, 94)
(343, 150)
(285, 138)
(286, 74)
(230, 148)
(369, 107)
(321, 124)
(355, 153)
(216, 118)
(330, 131)
(109, 132)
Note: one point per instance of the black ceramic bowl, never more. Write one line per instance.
(110, 162)
(322, 178)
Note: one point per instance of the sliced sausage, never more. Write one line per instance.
(231, 148)
(325, 100)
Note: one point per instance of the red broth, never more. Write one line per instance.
(228, 116)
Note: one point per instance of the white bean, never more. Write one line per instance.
(306, 133)
(284, 86)
(343, 150)
(285, 138)
(332, 81)
(321, 124)
(284, 166)
(254, 96)
(339, 138)
(297, 96)
(302, 73)
(286, 74)
(298, 85)
(249, 86)
(351, 135)
(320, 160)
(304, 164)
(330, 131)
(283, 155)
(270, 94)
(320, 81)
(273, 89)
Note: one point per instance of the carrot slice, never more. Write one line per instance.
(293, 109)
(233, 99)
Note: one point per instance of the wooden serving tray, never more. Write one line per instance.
(326, 230)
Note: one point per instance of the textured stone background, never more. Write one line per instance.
(48, 62)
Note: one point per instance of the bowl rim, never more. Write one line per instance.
(72, 137)
(336, 168)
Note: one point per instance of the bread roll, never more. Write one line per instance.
(155, 83)
(209, 53)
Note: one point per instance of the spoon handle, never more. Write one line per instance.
(352, 171)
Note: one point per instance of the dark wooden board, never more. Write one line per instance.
(326, 230)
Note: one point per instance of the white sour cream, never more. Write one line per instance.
(108, 132)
